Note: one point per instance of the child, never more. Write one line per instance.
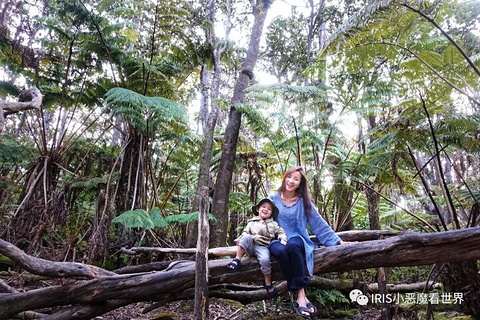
(255, 240)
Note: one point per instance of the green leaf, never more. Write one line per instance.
(137, 218)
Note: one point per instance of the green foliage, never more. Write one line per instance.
(142, 219)
(360, 214)
(408, 274)
(184, 218)
(14, 153)
(239, 202)
(146, 114)
(5, 260)
(328, 298)
(8, 88)
(399, 220)
(286, 48)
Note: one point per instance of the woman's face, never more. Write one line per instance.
(292, 181)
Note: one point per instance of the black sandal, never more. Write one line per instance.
(303, 312)
(235, 264)
(269, 287)
(312, 309)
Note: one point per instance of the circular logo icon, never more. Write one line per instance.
(358, 297)
(354, 294)
(362, 300)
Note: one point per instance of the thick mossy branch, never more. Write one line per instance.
(107, 292)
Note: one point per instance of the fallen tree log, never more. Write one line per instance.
(50, 268)
(349, 285)
(87, 298)
(352, 235)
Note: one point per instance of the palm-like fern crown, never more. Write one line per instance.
(145, 114)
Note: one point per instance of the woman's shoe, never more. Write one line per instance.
(301, 311)
(312, 309)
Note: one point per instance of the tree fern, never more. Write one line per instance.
(144, 113)
(358, 20)
(184, 218)
(140, 218)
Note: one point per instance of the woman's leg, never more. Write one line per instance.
(279, 251)
(296, 255)
(292, 262)
(299, 281)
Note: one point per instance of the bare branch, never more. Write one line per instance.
(27, 100)
(49, 268)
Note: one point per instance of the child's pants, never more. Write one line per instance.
(261, 252)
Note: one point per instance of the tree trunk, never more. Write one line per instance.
(373, 202)
(229, 147)
(210, 123)
(201, 261)
(104, 291)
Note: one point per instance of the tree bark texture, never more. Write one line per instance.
(27, 100)
(108, 291)
(210, 120)
(201, 269)
(229, 147)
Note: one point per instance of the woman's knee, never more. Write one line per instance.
(295, 244)
(277, 249)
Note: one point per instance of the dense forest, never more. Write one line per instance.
(125, 124)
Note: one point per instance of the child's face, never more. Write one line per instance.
(265, 210)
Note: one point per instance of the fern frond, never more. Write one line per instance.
(184, 218)
(137, 218)
(141, 109)
(359, 19)
(140, 218)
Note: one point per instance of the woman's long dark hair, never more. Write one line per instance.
(302, 190)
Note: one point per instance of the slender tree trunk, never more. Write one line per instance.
(210, 122)
(201, 261)
(229, 148)
(373, 203)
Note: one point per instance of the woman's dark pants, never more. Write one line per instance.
(291, 258)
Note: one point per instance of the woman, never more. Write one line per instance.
(296, 210)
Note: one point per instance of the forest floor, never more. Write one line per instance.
(279, 309)
(221, 309)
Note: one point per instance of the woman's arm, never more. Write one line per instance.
(322, 230)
